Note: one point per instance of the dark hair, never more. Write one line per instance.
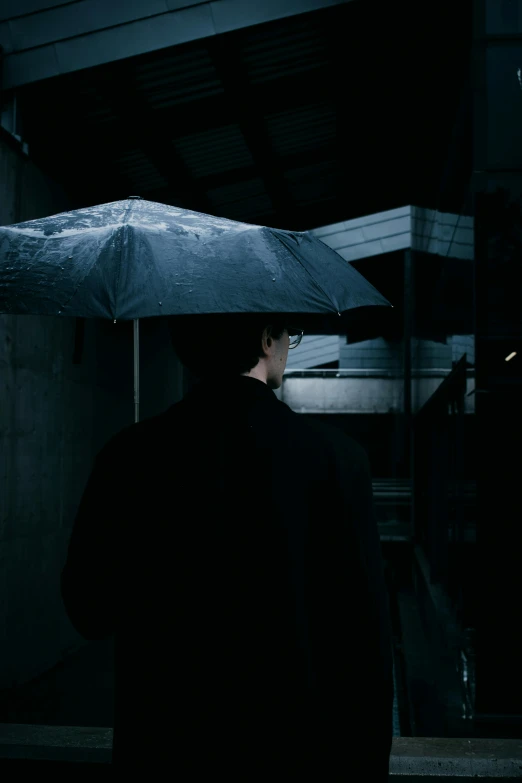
(227, 343)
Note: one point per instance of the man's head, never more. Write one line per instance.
(226, 345)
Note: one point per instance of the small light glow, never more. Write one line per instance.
(507, 359)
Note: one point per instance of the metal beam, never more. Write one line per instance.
(144, 132)
(227, 61)
(286, 93)
(75, 160)
(51, 43)
(247, 173)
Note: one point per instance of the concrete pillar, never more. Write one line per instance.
(498, 312)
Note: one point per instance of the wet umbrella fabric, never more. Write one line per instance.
(133, 259)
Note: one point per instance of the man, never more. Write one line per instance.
(230, 546)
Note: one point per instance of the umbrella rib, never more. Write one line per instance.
(319, 286)
(84, 278)
(124, 229)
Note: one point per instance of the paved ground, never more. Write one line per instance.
(78, 692)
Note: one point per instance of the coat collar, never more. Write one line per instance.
(238, 388)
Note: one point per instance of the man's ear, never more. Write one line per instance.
(266, 337)
(266, 341)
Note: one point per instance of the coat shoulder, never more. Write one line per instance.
(135, 436)
(329, 438)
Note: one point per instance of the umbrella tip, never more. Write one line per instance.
(128, 197)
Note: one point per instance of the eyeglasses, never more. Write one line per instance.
(295, 336)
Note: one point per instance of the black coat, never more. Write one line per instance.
(230, 546)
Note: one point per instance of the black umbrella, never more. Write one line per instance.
(134, 259)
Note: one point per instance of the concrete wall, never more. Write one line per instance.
(348, 395)
(431, 363)
(362, 391)
(25, 192)
(54, 416)
(161, 375)
(357, 392)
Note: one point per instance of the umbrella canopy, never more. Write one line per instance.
(135, 259)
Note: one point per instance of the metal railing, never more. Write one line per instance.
(441, 495)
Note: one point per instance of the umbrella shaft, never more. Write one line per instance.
(136, 370)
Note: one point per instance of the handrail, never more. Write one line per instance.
(383, 487)
(451, 388)
(370, 372)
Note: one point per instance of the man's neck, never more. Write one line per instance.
(259, 372)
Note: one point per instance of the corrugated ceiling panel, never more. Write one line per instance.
(90, 104)
(239, 200)
(314, 183)
(214, 151)
(246, 208)
(306, 128)
(178, 78)
(295, 47)
(140, 171)
(236, 191)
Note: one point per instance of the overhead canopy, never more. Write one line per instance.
(45, 38)
(295, 122)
